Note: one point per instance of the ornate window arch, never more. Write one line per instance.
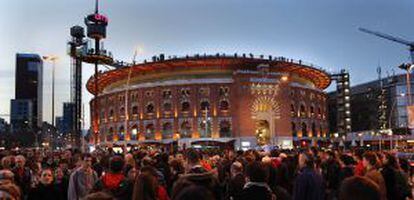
(135, 110)
(134, 132)
(204, 105)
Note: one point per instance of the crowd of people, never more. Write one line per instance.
(143, 174)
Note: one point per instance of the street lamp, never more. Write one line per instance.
(52, 58)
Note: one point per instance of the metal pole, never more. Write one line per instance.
(53, 91)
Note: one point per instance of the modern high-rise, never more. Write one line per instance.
(373, 108)
(65, 123)
(26, 108)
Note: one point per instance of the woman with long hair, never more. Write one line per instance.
(145, 187)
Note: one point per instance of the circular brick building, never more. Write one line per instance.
(244, 101)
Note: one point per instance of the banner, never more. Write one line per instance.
(410, 117)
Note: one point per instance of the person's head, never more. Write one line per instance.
(390, 160)
(145, 187)
(193, 157)
(87, 160)
(116, 164)
(20, 161)
(46, 177)
(236, 168)
(129, 159)
(370, 160)
(194, 192)
(256, 172)
(10, 192)
(6, 176)
(59, 174)
(306, 160)
(6, 162)
(359, 188)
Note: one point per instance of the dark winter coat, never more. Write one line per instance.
(308, 185)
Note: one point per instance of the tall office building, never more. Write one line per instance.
(65, 123)
(26, 108)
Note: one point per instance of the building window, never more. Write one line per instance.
(167, 130)
(302, 111)
(294, 132)
(150, 132)
(224, 105)
(167, 106)
(205, 131)
(225, 128)
(111, 114)
(304, 130)
(292, 110)
(109, 136)
(205, 106)
(314, 133)
(321, 132)
(312, 111)
(134, 132)
(150, 108)
(121, 135)
(122, 111)
(185, 130)
(185, 106)
(134, 110)
(319, 112)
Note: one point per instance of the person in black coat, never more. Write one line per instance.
(256, 186)
(45, 189)
(309, 183)
(397, 185)
(236, 182)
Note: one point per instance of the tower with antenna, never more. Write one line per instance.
(88, 50)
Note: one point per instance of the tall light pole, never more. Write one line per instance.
(52, 58)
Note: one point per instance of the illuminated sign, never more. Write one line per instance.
(99, 17)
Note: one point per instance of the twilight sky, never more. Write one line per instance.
(323, 32)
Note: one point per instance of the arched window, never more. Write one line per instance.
(150, 132)
(304, 130)
(321, 131)
(150, 108)
(314, 133)
(302, 111)
(185, 130)
(134, 132)
(185, 106)
(312, 111)
(134, 110)
(294, 132)
(224, 105)
(292, 110)
(225, 128)
(122, 111)
(167, 130)
(121, 134)
(205, 131)
(319, 112)
(167, 107)
(109, 136)
(204, 105)
(111, 114)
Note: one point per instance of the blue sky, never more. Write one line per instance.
(323, 32)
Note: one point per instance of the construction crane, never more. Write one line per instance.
(410, 44)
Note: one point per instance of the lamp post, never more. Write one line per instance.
(52, 58)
